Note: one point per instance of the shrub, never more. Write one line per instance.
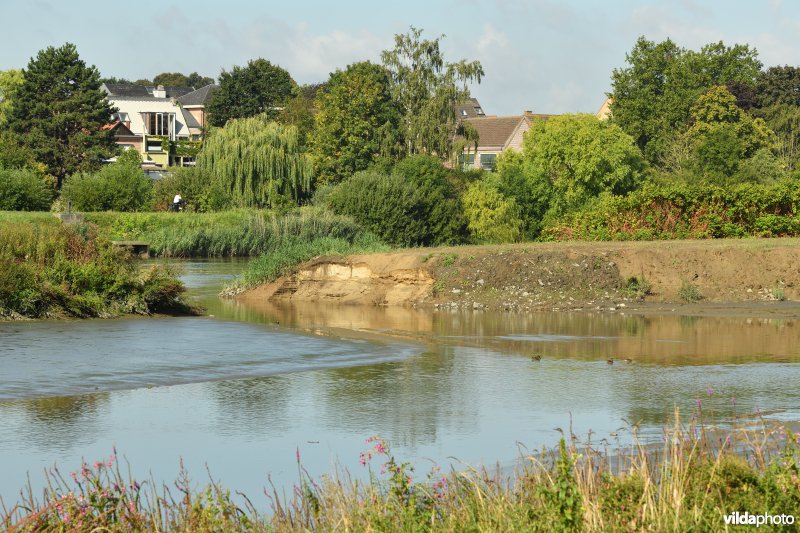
(24, 190)
(197, 189)
(444, 214)
(55, 270)
(689, 293)
(120, 186)
(637, 288)
(491, 217)
(389, 206)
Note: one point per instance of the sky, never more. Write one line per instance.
(544, 56)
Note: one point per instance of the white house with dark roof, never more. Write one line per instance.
(195, 103)
(151, 120)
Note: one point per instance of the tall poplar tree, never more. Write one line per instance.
(59, 112)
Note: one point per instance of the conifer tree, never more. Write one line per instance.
(59, 112)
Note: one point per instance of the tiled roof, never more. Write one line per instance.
(495, 131)
(143, 91)
(468, 109)
(198, 97)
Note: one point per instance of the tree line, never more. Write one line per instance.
(377, 141)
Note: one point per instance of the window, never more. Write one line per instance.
(488, 161)
(466, 161)
(158, 124)
(464, 112)
(479, 111)
(153, 145)
(121, 116)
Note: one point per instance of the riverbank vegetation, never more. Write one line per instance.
(692, 480)
(54, 271)
(698, 144)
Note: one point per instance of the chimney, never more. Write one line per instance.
(160, 92)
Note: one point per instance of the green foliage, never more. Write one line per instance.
(229, 233)
(59, 112)
(784, 120)
(176, 79)
(24, 190)
(257, 163)
(120, 186)
(444, 213)
(689, 293)
(300, 111)
(197, 189)
(399, 209)
(637, 288)
(56, 270)
(427, 89)
(491, 217)
(10, 80)
(389, 206)
(723, 135)
(779, 85)
(260, 88)
(654, 94)
(519, 180)
(357, 121)
(581, 158)
(682, 211)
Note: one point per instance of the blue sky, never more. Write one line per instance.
(546, 56)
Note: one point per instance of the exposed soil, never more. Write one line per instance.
(581, 275)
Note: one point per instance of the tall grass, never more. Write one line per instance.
(55, 270)
(239, 232)
(689, 483)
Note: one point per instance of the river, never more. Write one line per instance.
(239, 392)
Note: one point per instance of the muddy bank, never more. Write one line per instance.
(555, 276)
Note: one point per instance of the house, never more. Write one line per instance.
(604, 113)
(495, 135)
(195, 103)
(152, 121)
(469, 109)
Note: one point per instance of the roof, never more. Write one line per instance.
(198, 97)
(540, 116)
(143, 91)
(189, 119)
(469, 109)
(120, 129)
(495, 131)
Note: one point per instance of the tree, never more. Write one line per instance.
(653, 96)
(581, 157)
(300, 111)
(723, 134)
(115, 80)
(10, 80)
(60, 112)
(257, 162)
(426, 90)
(196, 80)
(171, 79)
(259, 88)
(357, 121)
(779, 85)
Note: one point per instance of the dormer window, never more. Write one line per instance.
(464, 112)
(478, 111)
(121, 117)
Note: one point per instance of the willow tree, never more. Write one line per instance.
(258, 162)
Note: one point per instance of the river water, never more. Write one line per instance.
(239, 392)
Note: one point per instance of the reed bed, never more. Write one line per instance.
(688, 482)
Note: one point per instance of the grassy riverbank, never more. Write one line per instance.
(690, 482)
(53, 271)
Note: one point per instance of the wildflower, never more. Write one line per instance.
(699, 403)
(380, 448)
(710, 391)
(298, 454)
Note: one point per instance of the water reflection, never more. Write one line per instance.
(264, 380)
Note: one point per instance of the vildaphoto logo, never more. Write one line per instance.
(747, 519)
